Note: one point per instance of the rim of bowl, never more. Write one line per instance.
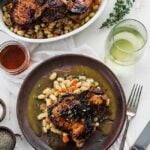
(122, 120)
(5, 29)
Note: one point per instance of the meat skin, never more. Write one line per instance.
(80, 9)
(74, 114)
(28, 12)
(25, 12)
(57, 9)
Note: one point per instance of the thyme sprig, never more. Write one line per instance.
(121, 8)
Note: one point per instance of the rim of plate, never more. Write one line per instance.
(27, 131)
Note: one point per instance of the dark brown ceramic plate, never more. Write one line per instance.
(67, 63)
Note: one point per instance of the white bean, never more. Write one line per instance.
(60, 79)
(77, 91)
(48, 102)
(54, 130)
(86, 84)
(44, 123)
(56, 86)
(87, 19)
(99, 87)
(82, 78)
(63, 85)
(47, 126)
(56, 83)
(83, 88)
(43, 106)
(53, 76)
(97, 124)
(90, 80)
(65, 134)
(41, 116)
(45, 129)
(53, 91)
(92, 14)
(79, 84)
(56, 93)
(51, 125)
(36, 27)
(108, 102)
(20, 33)
(53, 97)
(95, 119)
(41, 96)
(47, 91)
(96, 83)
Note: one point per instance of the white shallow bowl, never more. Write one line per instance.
(5, 29)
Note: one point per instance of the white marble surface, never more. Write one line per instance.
(96, 39)
(138, 74)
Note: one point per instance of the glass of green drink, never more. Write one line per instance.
(126, 42)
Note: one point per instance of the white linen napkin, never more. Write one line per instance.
(40, 53)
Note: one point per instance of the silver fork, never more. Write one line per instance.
(132, 106)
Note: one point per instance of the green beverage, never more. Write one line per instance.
(126, 41)
(124, 44)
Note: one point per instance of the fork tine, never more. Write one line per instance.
(138, 97)
(134, 95)
(131, 97)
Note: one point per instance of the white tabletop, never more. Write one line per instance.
(139, 73)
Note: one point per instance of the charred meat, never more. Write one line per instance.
(75, 113)
(80, 9)
(57, 9)
(26, 12)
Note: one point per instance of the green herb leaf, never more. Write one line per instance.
(121, 8)
(3, 2)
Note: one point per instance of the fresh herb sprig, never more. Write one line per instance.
(121, 8)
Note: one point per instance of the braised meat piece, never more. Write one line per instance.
(80, 9)
(57, 3)
(57, 9)
(62, 112)
(74, 113)
(25, 12)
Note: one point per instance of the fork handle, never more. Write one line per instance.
(124, 134)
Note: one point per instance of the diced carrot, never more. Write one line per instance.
(65, 138)
(74, 88)
(63, 89)
(74, 82)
